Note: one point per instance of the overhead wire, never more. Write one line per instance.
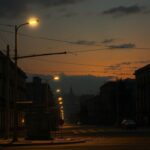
(95, 71)
(49, 39)
(6, 25)
(70, 42)
(108, 67)
(74, 51)
(81, 72)
(75, 43)
(4, 42)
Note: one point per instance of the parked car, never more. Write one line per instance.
(128, 124)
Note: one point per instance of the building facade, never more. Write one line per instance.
(143, 95)
(7, 91)
(40, 94)
(118, 98)
(42, 116)
(115, 102)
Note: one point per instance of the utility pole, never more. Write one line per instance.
(7, 122)
(15, 86)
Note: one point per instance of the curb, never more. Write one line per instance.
(31, 143)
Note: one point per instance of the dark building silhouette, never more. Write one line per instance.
(118, 98)
(40, 94)
(42, 115)
(88, 114)
(115, 102)
(7, 85)
(143, 95)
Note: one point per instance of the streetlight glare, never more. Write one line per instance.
(33, 21)
(60, 98)
(58, 90)
(56, 78)
(22, 120)
(60, 103)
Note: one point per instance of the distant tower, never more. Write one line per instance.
(71, 105)
(71, 93)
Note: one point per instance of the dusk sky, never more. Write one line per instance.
(102, 37)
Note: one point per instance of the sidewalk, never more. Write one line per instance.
(56, 141)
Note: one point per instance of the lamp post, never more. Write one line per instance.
(32, 22)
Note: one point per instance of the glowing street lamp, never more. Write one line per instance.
(33, 21)
(61, 107)
(58, 91)
(56, 78)
(22, 120)
(60, 103)
(62, 110)
(60, 98)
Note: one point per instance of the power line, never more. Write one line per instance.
(100, 72)
(109, 49)
(110, 67)
(6, 31)
(3, 39)
(6, 39)
(69, 63)
(75, 43)
(4, 42)
(6, 25)
(50, 39)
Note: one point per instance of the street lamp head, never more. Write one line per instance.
(60, 103)
(60, 98)
(58, 90)
(56, 78)
(33, 22)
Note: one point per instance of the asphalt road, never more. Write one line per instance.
(130, 140)
(96, 144)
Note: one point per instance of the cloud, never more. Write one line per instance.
(15, 8)
(123, 46)
(114, 67)
(128, 64)
(143, 62)
(124, 10)
(135, 62)
(125, 63)
(108, 41)
(118, 67)
(84, 42)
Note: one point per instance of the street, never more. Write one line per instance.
(96, 140)
(96, 144)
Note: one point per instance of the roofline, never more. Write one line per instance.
(142, 69)
(12, 63)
